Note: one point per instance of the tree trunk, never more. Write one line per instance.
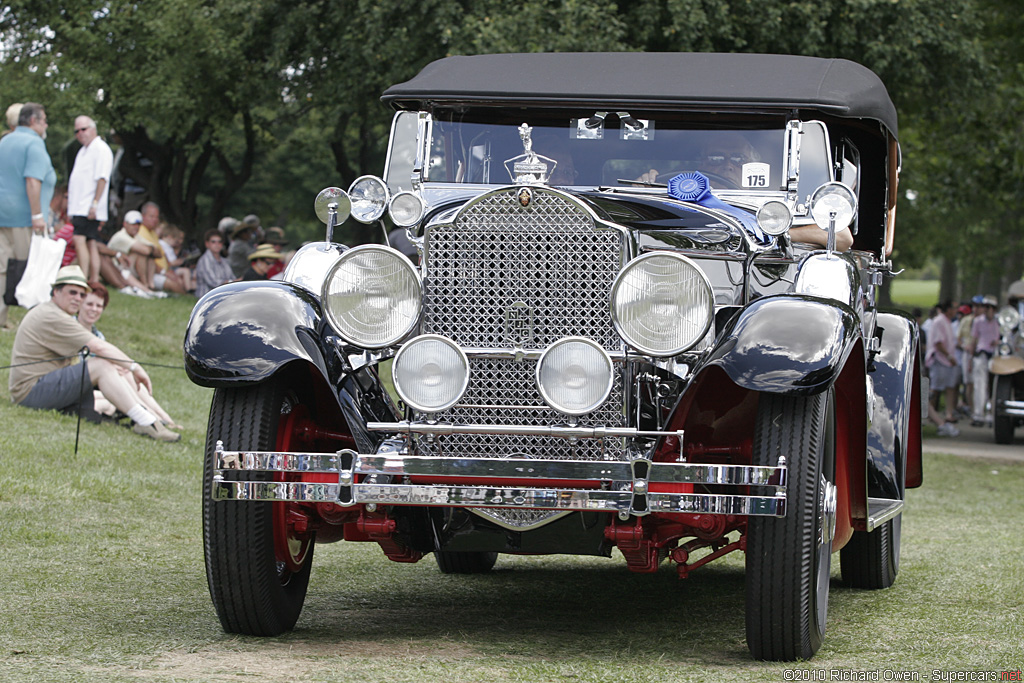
(948, 280)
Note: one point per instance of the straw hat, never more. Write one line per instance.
(264, 251)
(71, 275)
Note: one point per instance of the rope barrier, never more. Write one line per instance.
(75, 355)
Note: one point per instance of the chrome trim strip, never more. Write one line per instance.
(494, 497)
(275, 491)
(277, 461)
(562, 431)
(881, 510)
(535, 354)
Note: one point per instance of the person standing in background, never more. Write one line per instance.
(88, 189)
(940, 360)
(13, 112)
(984, 340)
(27, 179)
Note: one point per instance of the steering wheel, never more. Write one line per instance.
(720, 181)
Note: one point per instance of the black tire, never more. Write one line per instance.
(787, 563)
(1002, 423)
(871, 559)
(254, 591)
(452, 562)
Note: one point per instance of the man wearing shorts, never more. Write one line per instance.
(940, 359)
(46, 374)
(88, 188)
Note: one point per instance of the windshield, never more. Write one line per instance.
(606, 149)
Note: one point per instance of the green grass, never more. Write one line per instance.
(911, 293)
(103, 578)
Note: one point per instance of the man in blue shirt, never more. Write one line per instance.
(26, 187)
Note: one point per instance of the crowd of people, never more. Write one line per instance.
(57, 347)
(960, 341)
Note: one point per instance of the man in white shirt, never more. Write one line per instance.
(88, 189)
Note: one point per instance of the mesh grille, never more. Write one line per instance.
(499, 255)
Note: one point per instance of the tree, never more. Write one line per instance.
(188, 85)
(233, 102)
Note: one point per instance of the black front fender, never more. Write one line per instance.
(787, 344)
(244, 332)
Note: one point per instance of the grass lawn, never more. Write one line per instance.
(910, 293)
(104, 578)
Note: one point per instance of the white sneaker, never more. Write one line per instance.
(143, 293)
(159, 295)
(948, 429)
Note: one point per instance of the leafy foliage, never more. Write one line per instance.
(253, 105)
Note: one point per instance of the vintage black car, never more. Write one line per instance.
(632, 320)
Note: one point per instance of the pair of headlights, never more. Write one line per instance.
(574, 375)
(662, 303)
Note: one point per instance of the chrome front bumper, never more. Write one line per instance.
(621, 487)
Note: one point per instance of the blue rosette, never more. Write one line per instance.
(689, 187)
(694, 187)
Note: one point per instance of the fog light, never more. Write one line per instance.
(574, 375)
(430, 373)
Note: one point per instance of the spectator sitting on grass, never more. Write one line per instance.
(88, 315)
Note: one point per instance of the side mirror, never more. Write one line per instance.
(833, 206)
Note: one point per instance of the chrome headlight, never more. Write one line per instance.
(406, 209)
(372, 296)
(369, 197)
(574, 375)
(662, 304)
(430, 373)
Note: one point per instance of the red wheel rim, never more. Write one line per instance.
(290, 547)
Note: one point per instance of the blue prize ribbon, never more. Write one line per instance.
(694, 187)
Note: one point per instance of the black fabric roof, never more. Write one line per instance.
(722, 81)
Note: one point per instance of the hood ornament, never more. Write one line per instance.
(529, 168)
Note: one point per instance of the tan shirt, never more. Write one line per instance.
(46, 334)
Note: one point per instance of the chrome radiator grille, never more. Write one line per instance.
(497, 253)
(548, 258)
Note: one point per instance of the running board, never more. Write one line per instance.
(881, 510)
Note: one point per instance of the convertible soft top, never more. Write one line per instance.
(654, 79)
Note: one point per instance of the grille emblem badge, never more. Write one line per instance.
(519, 324)
(525, 197)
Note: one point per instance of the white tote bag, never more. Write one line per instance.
(44, 257)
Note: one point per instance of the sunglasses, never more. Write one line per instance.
(79, 130)
(719, 159)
